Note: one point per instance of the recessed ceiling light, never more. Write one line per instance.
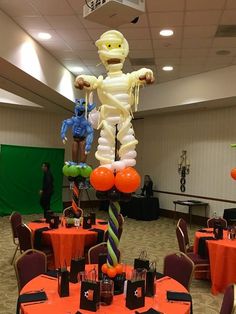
(77, 69)
(167, 68)
(166, 32)
(222, 52)
(44, 36)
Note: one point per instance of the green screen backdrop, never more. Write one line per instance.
(21, 178)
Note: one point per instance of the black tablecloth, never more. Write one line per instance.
(230, 214)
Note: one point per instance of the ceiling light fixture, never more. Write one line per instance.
(167, 68)
(222, 52)
(166, 32)
(77, 69)
(44, 36)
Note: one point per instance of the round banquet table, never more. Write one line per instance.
(222, 256)
(70, 304)
(68, 243)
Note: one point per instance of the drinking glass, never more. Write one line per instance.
(107, 291)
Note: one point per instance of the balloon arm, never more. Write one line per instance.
(89, 139)
(86, 81)
(65, 124)
(142, 76)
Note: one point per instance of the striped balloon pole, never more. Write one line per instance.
(75, 197)
(113, 238)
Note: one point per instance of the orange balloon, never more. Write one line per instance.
(104, 268)
(127, 180)
(111, 272)
(102, 179)
(233, 173)
(119, 269)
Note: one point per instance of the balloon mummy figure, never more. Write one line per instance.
(118, 93)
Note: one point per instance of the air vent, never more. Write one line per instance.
(142, 61)
(226, 31)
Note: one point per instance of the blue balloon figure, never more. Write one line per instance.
(82, 132)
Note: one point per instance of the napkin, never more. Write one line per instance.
(102, 222)
(159, 275)
(30, 297)
(100, 234)
(204, 230)
(179, 296)
(150, 311)
(38, 237)
(202, 248)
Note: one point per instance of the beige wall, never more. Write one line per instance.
(206, 135)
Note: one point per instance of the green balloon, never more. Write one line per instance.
(86, 171)
(74, 171)
(66, 170)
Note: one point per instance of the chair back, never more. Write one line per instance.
(183, 226)
(15, 220)
(24, 237)
(180, 267)
(69, 212)
(228, 305)
(29, 265)
(95, 250)
(220, 221)
(180, 239)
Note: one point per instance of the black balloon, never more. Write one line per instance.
(102, 195)
(114, 194)
(125, 197)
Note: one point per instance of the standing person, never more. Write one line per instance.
(147, 186)
(47, 188)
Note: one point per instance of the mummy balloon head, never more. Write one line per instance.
(113, 48)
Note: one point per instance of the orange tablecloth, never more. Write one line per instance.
(67, 242)
(70, 304)
(222, 256)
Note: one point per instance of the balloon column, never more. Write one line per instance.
(82, 132)
(118, 93)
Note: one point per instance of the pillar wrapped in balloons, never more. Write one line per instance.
(115, 178)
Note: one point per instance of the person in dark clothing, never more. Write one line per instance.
(147, 186)
(47, 188)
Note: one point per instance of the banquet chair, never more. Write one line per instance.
(69, 212)
(26, 241)
(180, 267)
(228, 305)
(15, 220)
(29, 265)
(201, 264)
(211, 222)
(95, 250)
(183, 226)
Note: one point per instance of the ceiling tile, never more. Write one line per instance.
(224, 60)
(228, 17)
(165, 5)
(167, 53)
(69, 35)
(169, 61)
(82, 45)
(18, 8)
(197, 43)
(77, 5)
(199, 31)
(212, 67)
(193, 60)
(202, 18)
(167, 43)
(212, 51)
(231, 4)
(155, 31)
(91, 62)
(96, 33)
(194, 52)
(88, 54)
(34, 34)
(140, 44)
(224, 42)
(204, 4)
(55, 45)
(52, 7)
(166, 20)
(141, 53)
(32, 22)
(132, 33)
(66, 21)
(65, 54)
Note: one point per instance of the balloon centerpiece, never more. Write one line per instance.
(233, 171)
(118, 92)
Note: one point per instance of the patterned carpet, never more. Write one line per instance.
(156, 237)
